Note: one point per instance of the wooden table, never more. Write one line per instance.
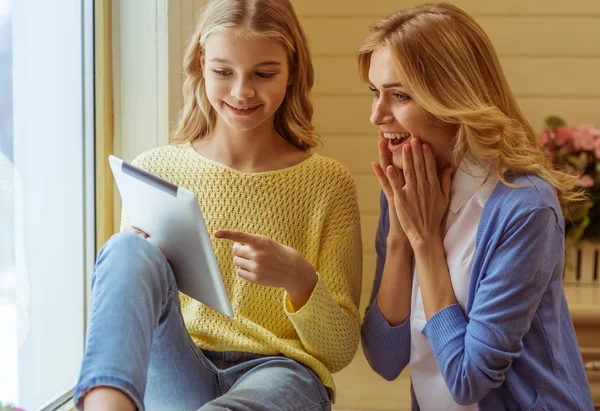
(584, 305)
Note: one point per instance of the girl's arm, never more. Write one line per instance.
(328, 324)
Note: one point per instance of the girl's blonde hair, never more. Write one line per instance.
(271, 19)
(449, 67)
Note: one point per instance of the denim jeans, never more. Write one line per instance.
(137, 342)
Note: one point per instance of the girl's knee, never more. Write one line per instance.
(124, 245)
(128, 254)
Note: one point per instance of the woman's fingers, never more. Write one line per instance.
(396, 181)
(383, 180)
(408, 168)
(385, 156)
(430, 165)
(419, 165)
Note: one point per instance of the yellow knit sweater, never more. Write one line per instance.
(311, 207)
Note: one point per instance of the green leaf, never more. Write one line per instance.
(576, 232)
(554, 122)
(579, 218)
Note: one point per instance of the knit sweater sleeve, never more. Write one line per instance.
(474, 354)
(329, 323)
(386, 347)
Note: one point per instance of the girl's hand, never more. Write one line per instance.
(137, 231)
(396, 233)
(421, 198)
(263, 261)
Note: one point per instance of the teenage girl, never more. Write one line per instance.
(287, 239)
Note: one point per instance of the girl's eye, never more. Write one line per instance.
(401, 97)
(222, 73)
(374, 91)
(262, 74)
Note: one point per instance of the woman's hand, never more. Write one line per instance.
(263, 261)
(396, 234)
(130, 229)
(420, 197)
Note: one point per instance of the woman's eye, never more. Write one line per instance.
(262, 74)
(402, 96)
(374, 91)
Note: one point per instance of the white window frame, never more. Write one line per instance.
(148, 47)
(53, 98)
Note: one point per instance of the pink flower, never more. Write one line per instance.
(584, 181)
(564, 135)
(597, 149)
(584, 138)
(544, 138)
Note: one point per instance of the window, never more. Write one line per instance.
(46, 195)
(8, 312)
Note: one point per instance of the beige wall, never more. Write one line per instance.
(549, 49)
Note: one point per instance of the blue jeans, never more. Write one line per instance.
(137, 342)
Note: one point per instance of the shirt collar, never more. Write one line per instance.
(469, 177)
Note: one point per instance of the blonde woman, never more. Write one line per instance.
(292, 268)
(470, 241)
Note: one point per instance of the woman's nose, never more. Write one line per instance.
(380, 113)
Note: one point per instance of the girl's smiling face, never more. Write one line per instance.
(246, 78)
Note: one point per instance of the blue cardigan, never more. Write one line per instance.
(515, 347)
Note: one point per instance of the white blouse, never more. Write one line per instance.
(471, 188)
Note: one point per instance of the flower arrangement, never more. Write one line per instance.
(576, 150)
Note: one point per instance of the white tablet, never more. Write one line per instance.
(171, 216)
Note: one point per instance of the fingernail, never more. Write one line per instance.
(426, 147)
(407, 148)
(414, 142)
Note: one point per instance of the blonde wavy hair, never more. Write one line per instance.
(270, 19)
(449, 67)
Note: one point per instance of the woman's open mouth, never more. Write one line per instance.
(396, 138)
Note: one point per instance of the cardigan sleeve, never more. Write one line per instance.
(386, 347)
(475, 354)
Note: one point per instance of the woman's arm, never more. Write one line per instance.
(386, 327)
